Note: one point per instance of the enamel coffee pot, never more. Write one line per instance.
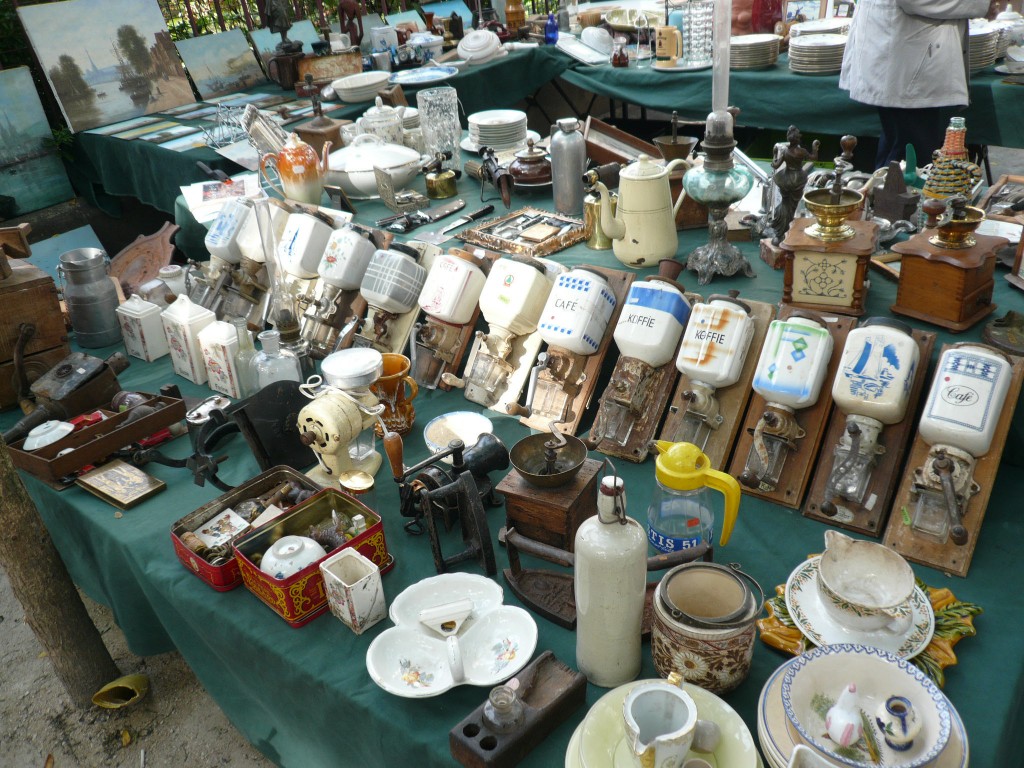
(681, 515)
(302, 173)
(643, 228)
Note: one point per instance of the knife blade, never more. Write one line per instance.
(479, 213)
(426, 216)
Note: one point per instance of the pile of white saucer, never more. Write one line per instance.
(360, 87)
(984, 45)
(753, 51)
(816, 54)
(833, 26)
(410, 119)
(498, 128)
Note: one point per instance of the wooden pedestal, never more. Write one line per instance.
(551, 515)
(870, 518)
(827, 276)
(950, 557)
(796, 474)
(948, 288)
(29, 296)
(619, 283)
(732, 401)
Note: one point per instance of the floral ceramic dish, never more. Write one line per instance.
(811, 687)
(445, 588)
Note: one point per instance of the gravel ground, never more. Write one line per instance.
(177, 724)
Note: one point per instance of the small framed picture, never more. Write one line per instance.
(805, 10)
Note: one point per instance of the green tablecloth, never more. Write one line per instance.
(304, 697)
(776, 98)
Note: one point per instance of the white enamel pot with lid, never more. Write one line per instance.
(351, 167)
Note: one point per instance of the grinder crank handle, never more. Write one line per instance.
(393, 448)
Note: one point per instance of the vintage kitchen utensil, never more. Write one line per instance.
(444, 235)
(548, 461)
(410, 221)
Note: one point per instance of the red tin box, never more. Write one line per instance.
(301, 597)
(226, 576)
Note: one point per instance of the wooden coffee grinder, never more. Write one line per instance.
(33, 337)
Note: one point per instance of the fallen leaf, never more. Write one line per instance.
(42, 655)
(126, 738)
(118, 515)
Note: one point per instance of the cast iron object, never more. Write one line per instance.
(549, 691)
(548, 461)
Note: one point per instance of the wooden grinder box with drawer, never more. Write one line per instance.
(29, 296)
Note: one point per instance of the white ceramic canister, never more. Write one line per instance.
(183, 321)
(705, 617)
(355, 594)
(967, 396)
(174, 278)
(219, 343)
(393, 280)
(250, 242)
(577, 312)
(141, 329)
(715, 342)
(302, 245)
(514, 295)
(793, 362)
(876, 371)
(609, 578)
(345, 259)
(222, 239)
(452, 289)
(652, 320)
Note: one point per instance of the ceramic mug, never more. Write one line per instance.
(662, 726)
(668, 46)
(390, 389)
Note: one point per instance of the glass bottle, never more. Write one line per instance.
(551, 30)
(243, 358)
(515, 15)
(610, 577)
(274, 363)
(620, 56)
(503, 711)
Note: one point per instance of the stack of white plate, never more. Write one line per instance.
(410, 118)
(360, 87)
(753, 51)
(833, 26)
(816, 54)
(498, 128)
(984, 45)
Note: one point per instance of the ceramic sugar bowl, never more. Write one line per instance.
(863, 585)
(289, 555)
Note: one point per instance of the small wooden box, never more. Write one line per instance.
(827, 276)
(946, 287)
(301, 597)
(29, 296)
(551, 515)
(227, 576)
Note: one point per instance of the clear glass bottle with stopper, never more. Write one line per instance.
(243, 358)
(274, 363)
(610, 579)
(503, 710)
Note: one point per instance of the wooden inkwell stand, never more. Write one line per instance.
(946, 271)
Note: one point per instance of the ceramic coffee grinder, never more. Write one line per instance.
(647, 334)
(391, 286)
(872, 387)
(712, 355)
(341, 272)
(449, 299)
(789, 375)
(969, 388)
(573, 323)
(338, 424)
(511, 301)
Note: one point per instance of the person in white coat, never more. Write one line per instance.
(909, 59)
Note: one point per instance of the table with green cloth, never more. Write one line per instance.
(776, 98)
(304, 696)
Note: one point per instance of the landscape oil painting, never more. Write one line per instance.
(32, 175)
(106, 60)
(220, 63)
(265, 42)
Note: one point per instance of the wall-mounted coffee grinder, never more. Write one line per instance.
(210, 282)
(391, 286)
(511, 301)
(576, 322)
(449, 300)
(341, 271)
(790, 372)
(647, 335)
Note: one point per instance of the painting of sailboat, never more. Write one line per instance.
(32, 175)
(106, 60)
(221, 63)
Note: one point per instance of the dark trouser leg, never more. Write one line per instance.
(925, 128)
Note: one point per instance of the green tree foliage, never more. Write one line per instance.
(67, 76)
(134, 48)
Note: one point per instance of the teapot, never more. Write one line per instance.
(383, 121)
(643, 229)
(301, 172)
(681, 515)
